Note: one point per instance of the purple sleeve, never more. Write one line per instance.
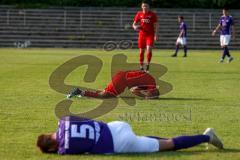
(185, 27)
(220, 21)
(60, 136)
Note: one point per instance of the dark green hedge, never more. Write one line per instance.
(124, 3)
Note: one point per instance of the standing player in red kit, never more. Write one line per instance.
(139, 83)
(145, 22)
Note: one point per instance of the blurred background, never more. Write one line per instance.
(93, 23)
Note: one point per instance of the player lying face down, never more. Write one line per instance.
(138, 82)
(79, 136)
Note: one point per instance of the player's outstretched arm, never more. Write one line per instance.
(216, 29)
(156, 28)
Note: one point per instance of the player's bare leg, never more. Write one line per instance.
(149, 57)
(166, 145)
(176, 50)
(141, 58)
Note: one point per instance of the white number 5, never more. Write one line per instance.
(82, 131)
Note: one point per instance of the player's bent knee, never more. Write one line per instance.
(149, 48)
(166, 145)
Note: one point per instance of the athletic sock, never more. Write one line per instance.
(189, 141)
(141, 57)
(149, 57)
(147, 67)
(225, 52)
(94, 94)
(176, 49)
(185, 50)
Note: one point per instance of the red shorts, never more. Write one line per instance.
(111, 90)
(121, 80)
(145, 40)
(117, 85)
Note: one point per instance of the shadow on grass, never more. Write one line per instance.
(162, 154)
(169, 98)
(185, 99)
(206, 72)
(179, 153)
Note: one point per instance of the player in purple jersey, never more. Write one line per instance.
(182, 37)
(225, 24)
(78, 136)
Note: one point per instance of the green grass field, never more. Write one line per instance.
(205, 94)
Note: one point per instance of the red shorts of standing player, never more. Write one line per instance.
(145, 22)
(139, 83)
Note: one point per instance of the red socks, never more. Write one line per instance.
(141, 59)
(94, 94)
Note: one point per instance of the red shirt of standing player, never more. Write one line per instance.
(145, 22)
(139, 83)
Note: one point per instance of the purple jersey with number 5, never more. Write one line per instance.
(76, 136)
(226, 22)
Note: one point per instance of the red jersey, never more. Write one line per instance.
(124, 79)
(146, 21)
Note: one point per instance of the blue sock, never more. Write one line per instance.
(185, 50)
(225, 52)
(176, 50)
(189, 141)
